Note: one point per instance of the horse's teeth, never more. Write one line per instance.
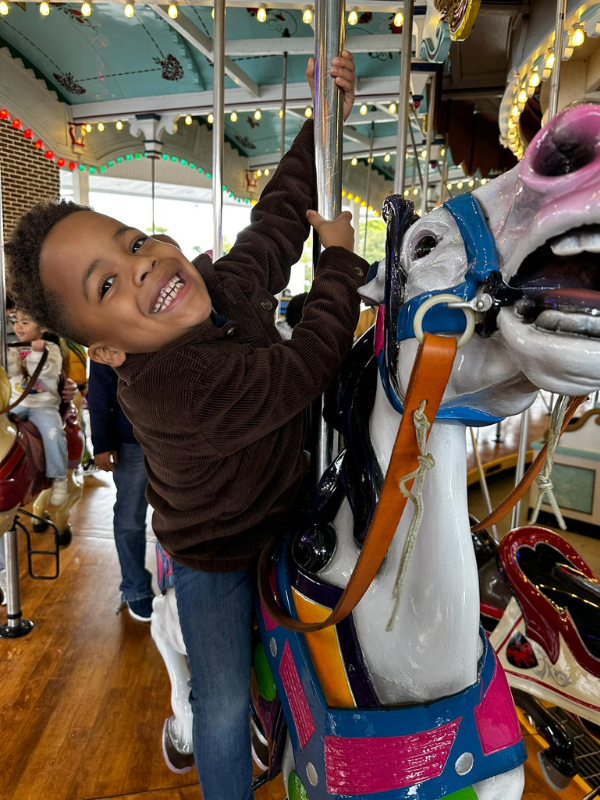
(553, 320)
(567, 246)
(575, 243)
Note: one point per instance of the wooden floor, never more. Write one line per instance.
(83, 698)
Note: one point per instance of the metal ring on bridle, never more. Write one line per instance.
(449, 299)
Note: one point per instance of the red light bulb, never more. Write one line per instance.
(28, 134)
(16, 123)
(48, 154)
(39, 144)
(4, 114)
(71, 165)
(61, 162)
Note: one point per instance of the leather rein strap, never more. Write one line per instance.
(428, 381)
(528, 478)
(32, 380)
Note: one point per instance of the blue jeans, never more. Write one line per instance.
(130, 522)
(50, 426)
(215, 611)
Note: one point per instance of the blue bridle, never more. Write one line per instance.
(482, 260)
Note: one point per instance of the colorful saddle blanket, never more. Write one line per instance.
(421, 752)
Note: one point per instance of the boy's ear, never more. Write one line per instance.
(106, 354)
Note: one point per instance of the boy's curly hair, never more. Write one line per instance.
(45, 306)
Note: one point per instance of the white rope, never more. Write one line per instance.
(426, 462)
(543, 480)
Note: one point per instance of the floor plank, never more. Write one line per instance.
(83, 698)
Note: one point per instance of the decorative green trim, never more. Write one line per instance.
(463, 794)
(264, 676)
(296, 790)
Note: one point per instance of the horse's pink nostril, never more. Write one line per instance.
(564, 153)
(567, 144)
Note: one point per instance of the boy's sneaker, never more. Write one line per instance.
(59, 491)
(140, 609)
(3, 587)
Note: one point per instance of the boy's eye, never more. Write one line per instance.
(137, 243)
(105, 286)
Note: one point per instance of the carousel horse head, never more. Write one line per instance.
(523, 252)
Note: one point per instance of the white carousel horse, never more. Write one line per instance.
(22, 477)
(514, 252)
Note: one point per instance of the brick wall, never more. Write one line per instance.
(27, 176)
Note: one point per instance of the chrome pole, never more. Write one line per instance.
(430, 110)
(329, 43)
(561, 11)
(284, 102)
(15, 625)
(416, 164)
(369, 174)
(483, 483)
(404, 97)
(520, 471)
(218, 127)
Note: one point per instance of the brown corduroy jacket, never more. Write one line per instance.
(218, 412)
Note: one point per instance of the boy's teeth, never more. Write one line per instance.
(167, 294)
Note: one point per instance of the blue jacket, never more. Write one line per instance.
(110, 426)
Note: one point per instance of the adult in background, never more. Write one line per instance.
(116, 450)
(293, 315)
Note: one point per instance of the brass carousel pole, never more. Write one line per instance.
(329, 43)
(403, 121)
(428, 140)
(15, 625)
(218, 127)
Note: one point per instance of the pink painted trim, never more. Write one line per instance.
(495, 716)
(303, 719)
(379, 331)
(385, 763)
(270, 623)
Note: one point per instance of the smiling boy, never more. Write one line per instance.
(215, 398)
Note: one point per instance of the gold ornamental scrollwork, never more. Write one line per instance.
(460, 16)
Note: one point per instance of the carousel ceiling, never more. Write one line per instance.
(108, 67)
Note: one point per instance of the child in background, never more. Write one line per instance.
(42, 404)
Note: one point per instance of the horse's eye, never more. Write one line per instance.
(425, 245)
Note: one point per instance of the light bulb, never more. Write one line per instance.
(267, 172)
(398, 19)
(363, 109)
(423, 153)
(353, 17)
(129, 10)
(188, 120)
(86, 9)
(100, 126)
(483, 181)
(233, 116)
(173, 11)
(257, 114)
(261, 14)
(459, 185)
(354, 161)
(307, 15)
(392, 108)
(578, 37)
(448, 186)
(511, 124)
(119, 125)
(387, 157)
(308, 112)
(44, 9)
(88, 128)
(415, 191)
(406, 193)
(212, 13)
(3, 8)
(471, 182)
(550, 61)
(442, 152)
(210, 119)
(535, 80)
(515, 111)
(281, 113)
(357, 199)
(522, 96)
(259, 173)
